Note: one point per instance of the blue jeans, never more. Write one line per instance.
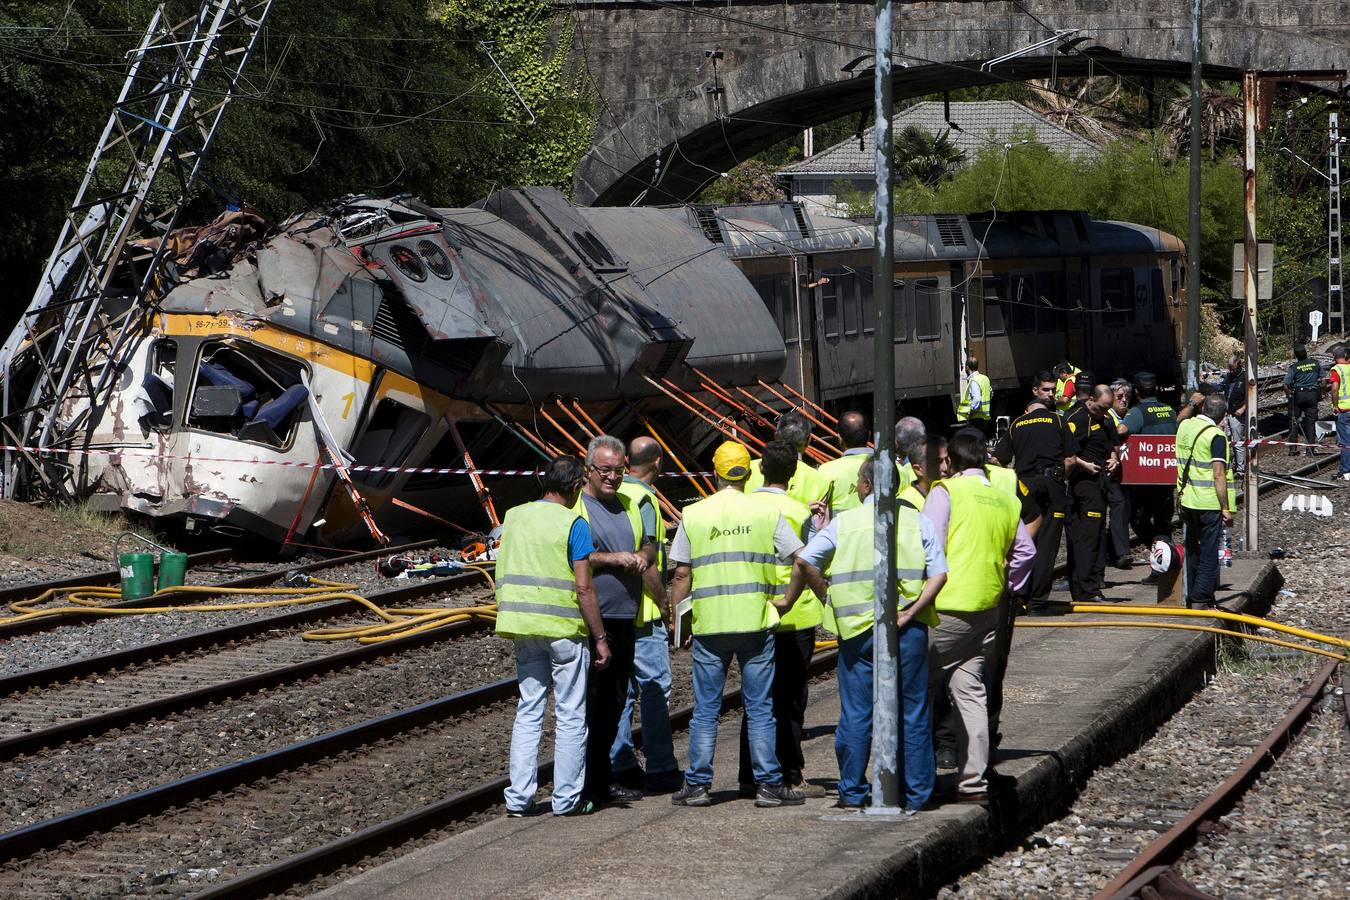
(1343, 439)
(853, 736)
(563, 663)
(1204, 533)
(712, 655)
(650, 691)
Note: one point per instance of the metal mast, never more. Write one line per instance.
(1335, 295)
(106, 271)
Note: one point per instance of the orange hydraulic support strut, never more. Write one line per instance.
(563, 431)
(712, 418)
(799, 407)
(479, 486)
(721, 393)
(815, 453)
(585, 429)
(688, 472)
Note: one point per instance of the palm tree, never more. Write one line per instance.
(925, 157)
(1079, 106)
(1220, 118)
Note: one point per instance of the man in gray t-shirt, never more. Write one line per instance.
(617, 569)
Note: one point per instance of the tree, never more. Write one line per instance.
(1085, 106)
(925, 157)
(1220, 119)
(753, 181)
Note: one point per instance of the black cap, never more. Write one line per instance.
(1083, 382)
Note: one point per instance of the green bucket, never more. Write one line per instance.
(137, 572)
(172, 569)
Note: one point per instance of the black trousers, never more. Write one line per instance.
(1048, 493)
(792, 651)
(1303, 416)
(997, 667)
(1151, 509)
(606, 694)
(1115, 544)
(1085, 537)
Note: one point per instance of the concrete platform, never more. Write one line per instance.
(1076, 698)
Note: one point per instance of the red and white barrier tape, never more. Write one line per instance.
(416, 470)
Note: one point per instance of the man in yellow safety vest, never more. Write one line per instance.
(807, 486)
(1204, 461)
(844, 552)
(726, 553)
(972, 408)
(842, 473)
(988, 549)
(546, 605)
(1339, 383)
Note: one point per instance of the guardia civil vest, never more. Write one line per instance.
(806, 486)
(638, 494)
(980, 532)
(807, 612)
(912, 496)
(536, 590)
(963, 405)
(851, 609)
(843, 474)
(1341, 400)
(1159, 418)
(733, 564)
(1308, 372)
(1195, 474)
(1002, 478)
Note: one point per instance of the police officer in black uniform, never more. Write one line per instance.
(1096, 458)
(1151, 505)
(1037, 444)
(1303, 387)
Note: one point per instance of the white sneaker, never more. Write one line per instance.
(1345, 477)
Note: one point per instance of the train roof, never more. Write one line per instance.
(773, 229)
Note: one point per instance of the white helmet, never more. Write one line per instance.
(1161, 557)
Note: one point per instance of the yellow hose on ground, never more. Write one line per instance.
(1175, 625)
(1343, 643)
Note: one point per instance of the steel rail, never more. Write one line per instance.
(130, 716)
(1143, 877)
(260, 579)
(97, 579)
(330, 857)
(198, 640)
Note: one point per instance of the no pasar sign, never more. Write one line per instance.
(1148, 459)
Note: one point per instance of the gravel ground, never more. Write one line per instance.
(92, 637)
(1297, 831)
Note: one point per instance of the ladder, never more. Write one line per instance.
(1335, 287)
(106, 271)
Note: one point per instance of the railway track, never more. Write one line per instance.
(196, 563)
(1152, 874)
(279, 818)
(46, 707)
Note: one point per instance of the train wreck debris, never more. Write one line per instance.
(337, 378)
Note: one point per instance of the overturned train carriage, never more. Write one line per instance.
(405, 337)
(397, 331)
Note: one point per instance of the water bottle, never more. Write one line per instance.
(1226, 552)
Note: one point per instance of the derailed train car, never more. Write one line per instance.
(395, 337)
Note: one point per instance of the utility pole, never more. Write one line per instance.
(1251, 85)
(1193, 235)
(1335, 296)
(886, 796)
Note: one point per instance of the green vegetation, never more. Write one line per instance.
(351, 96)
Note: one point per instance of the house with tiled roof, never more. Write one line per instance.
(971, 127)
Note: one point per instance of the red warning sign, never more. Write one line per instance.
(1148, 459)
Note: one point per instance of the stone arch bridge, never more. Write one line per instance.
(674, 115)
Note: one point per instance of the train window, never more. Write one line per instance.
(1157, 301)
(928, 308)
(1022, 302)
(848, 301)
(390, 435)
(1175, 267)
(773, 290)
(901, 293)
(247, 392)
(995, 287)
(154, 403)
(1050, 315)
(1117, 294)
(829, 306)
(869, 310)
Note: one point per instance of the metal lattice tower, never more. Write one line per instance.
(1335, 294)
(106, 271)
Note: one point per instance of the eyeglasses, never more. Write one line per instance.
(609, 471)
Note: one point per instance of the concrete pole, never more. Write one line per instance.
(1193, 235)
(886, 795)
(1250, 85)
